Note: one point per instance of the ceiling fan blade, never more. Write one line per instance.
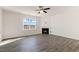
(46, 8)
(44, 11)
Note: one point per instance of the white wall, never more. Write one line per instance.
(13, 24)
(0, 24)
(45, 21)
(65, 22)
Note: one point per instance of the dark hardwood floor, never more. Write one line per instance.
(42, 43)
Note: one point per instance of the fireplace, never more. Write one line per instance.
(45, 30)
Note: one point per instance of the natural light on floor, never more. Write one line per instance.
(8, 41)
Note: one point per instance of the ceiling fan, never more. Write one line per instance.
(41, 9)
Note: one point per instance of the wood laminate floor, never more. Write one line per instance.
(42, 43)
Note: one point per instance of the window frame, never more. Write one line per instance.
(30, 25)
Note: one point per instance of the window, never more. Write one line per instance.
(29, 24)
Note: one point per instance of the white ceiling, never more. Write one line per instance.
(30, 10)
(22, 9)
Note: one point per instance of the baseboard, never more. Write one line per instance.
(64, 36)
(20, 37)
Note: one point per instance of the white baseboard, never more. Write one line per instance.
(8, 41)
(66, 36)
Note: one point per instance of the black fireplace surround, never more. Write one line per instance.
(45, 30)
